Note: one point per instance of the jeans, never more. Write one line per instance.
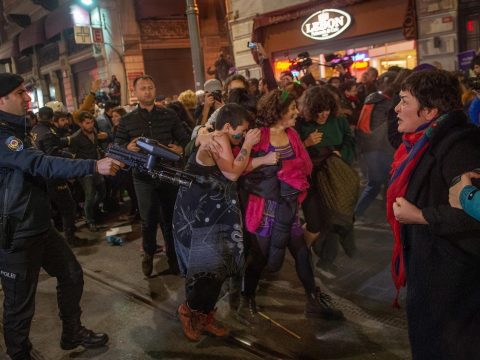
(156, 202)
(19, 270)
(94, 190)
(378, 169)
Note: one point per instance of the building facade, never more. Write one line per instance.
(61, 46)
(379, 34)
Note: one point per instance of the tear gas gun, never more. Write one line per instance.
(152, 160)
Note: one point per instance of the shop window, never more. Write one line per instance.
(24, 64)
(48, 54)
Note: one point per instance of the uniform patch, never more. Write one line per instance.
(8, 275)
(14, 143)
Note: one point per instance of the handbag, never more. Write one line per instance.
(339, 185)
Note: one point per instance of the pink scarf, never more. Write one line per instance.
(294, 172)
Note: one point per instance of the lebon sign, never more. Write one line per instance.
(326, 24)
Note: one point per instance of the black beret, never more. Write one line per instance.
(9, 82)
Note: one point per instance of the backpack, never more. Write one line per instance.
(365, 118)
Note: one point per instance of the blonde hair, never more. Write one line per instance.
(188, 99)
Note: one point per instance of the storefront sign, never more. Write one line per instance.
(326, 24)
(82, 35)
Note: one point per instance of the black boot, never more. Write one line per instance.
(320, 305)
(247, 311)
(74, 334)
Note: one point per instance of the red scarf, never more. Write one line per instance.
(405, 161)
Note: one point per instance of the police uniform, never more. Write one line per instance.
(27, 240)
(156, 200)
(46, 139)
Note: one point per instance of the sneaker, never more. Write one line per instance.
(147, 264)
(320, 305)
(191, 322)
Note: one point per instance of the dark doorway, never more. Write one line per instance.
(171, 69)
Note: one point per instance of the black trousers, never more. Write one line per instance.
(19, 270)
(156, 202)
(61, 196)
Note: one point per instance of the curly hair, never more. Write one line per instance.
(273, 106)
(317, 100)
(188, 98)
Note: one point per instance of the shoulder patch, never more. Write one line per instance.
(14, 143)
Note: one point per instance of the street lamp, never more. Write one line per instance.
(87, 2)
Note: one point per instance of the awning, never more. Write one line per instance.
(58, 20)
(9, 49)
(33, 35)
(159, 9)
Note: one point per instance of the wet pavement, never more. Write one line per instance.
(139, 313)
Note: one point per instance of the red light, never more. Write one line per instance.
(470, 26)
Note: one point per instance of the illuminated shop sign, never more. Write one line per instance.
(326, 24)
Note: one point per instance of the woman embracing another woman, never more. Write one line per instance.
(207, 222)
(275, 195)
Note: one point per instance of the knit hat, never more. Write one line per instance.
(9, 82)
(212, 85)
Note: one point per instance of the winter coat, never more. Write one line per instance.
(442, 259)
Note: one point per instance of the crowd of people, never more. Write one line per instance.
(287, 158)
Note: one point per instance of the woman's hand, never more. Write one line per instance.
(455, 190)
(313, 139)
(271, 158)
(407, 213)
(252, 137)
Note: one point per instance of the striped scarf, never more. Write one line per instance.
(405, 161)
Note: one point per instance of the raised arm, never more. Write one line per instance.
(232, 167)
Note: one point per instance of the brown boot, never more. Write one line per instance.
(212, 326)
(192, 325)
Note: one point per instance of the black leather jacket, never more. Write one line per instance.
(47, 140)
(24, 202)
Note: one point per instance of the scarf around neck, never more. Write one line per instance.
(404, 163)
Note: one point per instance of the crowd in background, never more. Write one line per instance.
(360, 127)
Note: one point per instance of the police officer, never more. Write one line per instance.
(46, 139)
(156, 200)
(28, 242)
